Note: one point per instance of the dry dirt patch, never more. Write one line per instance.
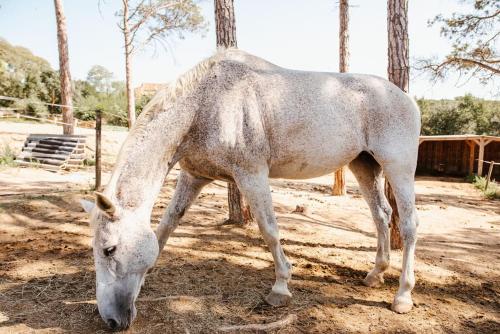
(217, 275)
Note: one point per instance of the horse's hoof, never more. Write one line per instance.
(276, 299)
(373, 281)
(402, 305)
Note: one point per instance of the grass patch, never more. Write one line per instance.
(493, 191)
(7, 156)
(89, 162)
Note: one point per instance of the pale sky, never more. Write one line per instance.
(299, 34)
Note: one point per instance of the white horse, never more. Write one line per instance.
(236, 117)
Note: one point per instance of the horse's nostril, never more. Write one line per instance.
(112, 323)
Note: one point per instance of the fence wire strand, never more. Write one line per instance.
(11, 98)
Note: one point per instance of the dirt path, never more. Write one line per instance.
(217, 275)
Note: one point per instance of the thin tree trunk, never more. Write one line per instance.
(398, 72)
(339, 184)
(64, 73)
(344, 36)
(128, 67)
(225, 30)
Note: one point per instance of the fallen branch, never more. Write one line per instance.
(261, 327)
(190, 298)
(150, 299)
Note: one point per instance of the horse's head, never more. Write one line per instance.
(125, 247)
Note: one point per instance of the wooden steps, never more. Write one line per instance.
(52, 152)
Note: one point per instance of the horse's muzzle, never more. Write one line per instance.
(123, 321)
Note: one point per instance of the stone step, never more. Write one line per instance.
(53, 147)
(49, 151)
(36, 135)
(53, 150)
(46, 161)
(59, 139)
(37, 165)
(77, 156)
(36, 155)
(74, 162)
(57, 142)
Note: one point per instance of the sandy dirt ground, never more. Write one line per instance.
(211, 275)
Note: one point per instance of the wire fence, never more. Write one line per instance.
(18, 115)
(16, 99)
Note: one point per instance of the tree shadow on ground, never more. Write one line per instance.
(215, 282)
(218, 292)
(463, 202)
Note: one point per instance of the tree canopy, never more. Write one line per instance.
(474, 36)
(100, 78)
(24, 75)
(153, 21)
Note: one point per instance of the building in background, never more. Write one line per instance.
(148, 89)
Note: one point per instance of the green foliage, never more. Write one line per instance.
(100, 92)
(154, 21)
(100, 78)
(464, 115)
(7, 156)
(493, 191)
(474, 35)
(30, 78)
(31, 106)
(24, 75)
(141, 103)
(89, 162)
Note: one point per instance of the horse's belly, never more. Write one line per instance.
(297, 168)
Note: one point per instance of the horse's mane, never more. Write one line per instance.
(184, 84)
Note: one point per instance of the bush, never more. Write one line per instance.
(89, 162)
(493, 191)
(7, 156)
(32, 107)
(141, 102)
(464, 115)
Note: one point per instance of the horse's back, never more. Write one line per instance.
(321, 121)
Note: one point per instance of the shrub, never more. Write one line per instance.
(7, 156)
(493, 191)
(464, 115)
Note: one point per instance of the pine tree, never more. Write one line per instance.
(398, 70)
(64, 73)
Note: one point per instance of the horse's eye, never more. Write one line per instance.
(109, 251)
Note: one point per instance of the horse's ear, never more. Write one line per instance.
(105, 204)
(87, 206)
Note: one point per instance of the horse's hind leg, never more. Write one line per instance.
(187, 189)
(255, 189)
(369, 176)
(400, 174)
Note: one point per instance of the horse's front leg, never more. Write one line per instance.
(187, 189)
(255, 189)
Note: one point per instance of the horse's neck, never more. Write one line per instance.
(144, 159)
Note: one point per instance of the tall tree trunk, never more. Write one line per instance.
(398, 72)
(128, 67)
(225, 30)
(339, 185)
(225, 24)
(64, 73)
